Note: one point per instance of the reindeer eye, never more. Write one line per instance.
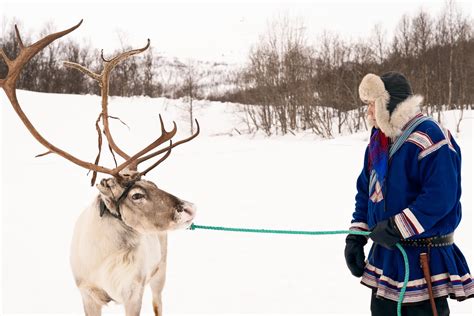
(137, 196)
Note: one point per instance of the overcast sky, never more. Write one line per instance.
(210, 30)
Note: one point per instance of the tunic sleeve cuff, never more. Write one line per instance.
(361, 226)
(408, 224)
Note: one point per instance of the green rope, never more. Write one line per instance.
(308, 232)
(405, 280)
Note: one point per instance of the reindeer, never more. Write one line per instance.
(119, 243)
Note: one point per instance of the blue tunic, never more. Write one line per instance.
(421, 191)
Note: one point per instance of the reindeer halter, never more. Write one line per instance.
(118, 215)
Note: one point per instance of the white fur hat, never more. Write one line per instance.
(395, 104)
(371, 87)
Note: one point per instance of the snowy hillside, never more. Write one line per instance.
(291, 182)
(213, 78)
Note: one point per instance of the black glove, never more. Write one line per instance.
(386, 233)
(354, 253)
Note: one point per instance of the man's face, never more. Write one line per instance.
(371, 112)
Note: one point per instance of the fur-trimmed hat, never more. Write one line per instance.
(394, 100)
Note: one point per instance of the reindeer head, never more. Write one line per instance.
(144, 207)
(139, 203)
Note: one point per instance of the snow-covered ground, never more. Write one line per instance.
(290, 182)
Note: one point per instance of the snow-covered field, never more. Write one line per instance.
(290, 182)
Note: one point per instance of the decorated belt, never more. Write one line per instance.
(436, 241)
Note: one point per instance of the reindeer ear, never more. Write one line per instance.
(105, 204)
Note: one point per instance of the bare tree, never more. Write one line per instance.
(402, 45)
(379, 43)
(148, 87)
(422, 36)
(278, 76)
(190, 88)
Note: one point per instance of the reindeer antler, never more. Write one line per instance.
(131, 162)
(167, 149)
(103, 79)
(8, 84)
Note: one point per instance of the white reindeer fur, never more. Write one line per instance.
(371, 89)
(100, 258)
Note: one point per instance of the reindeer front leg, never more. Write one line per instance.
(93, 299)
(157, 283)
(133, 300)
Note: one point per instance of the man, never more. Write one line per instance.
(407, 192)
